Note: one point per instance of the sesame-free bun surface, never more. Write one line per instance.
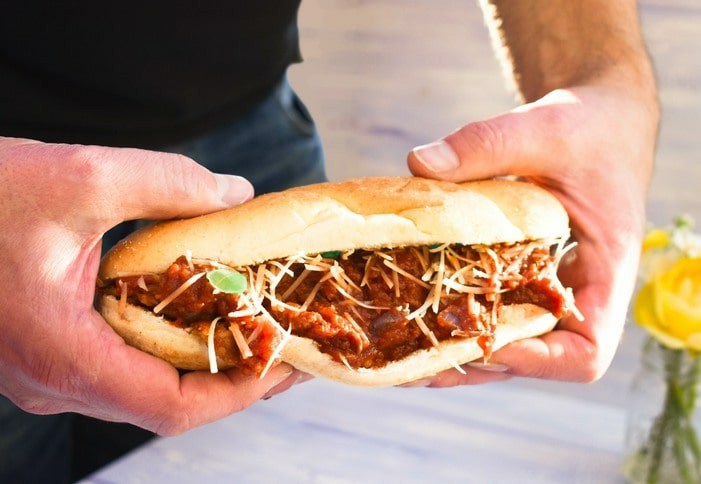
(365, 213)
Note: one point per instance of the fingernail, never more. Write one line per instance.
(438, 156)
(303, 377)
(233, 190)
(495, 367)
(278, 376)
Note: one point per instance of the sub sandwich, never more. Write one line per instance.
(371, 281)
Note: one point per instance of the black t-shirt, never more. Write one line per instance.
(138, 73)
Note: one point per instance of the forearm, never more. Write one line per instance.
(551, 44)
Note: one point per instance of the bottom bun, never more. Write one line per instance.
(515, 322)
(153, 334)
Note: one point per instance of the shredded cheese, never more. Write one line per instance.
(284, 270)
(388, 281)
(354, 300)
(437, 288)
(122, 305)
(256, 332)
(312, 293)
(275, 353)
(171, 297)
(240, 341)
(344, 360)
(364, 340)
(122, 274)
(295, 284)
(426, 331)
(482, 271)
(421, 256)
(188, 258)
(398, 270)
(369, 263)
(242, 313)
(141, 282)
(213, 368)
(395, 281)
(421, 310)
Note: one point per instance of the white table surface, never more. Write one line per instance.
(329, 433)
(518, 431)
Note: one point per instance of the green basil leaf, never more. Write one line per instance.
(332, 254)
(227, 281)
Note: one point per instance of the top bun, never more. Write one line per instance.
(367, 213)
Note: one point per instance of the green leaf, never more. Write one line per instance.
(227, 281)
(684, 222)
(332, 254)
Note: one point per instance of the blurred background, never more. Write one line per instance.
(383, 76)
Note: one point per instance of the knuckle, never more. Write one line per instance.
(592, 365)
(558, 129)
(28, 401)
(184, 178)
(34, 406)
(38, 398)
(175, 423)
(484, 137)
(85, 167)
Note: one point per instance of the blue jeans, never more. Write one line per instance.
(275, 146)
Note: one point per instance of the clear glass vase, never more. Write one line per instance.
(664, 418)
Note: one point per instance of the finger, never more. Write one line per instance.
(201, 397)
(471, 374)
(206, 399)
(154, 185)
(578, 351)
(295, 378)
(125, 384)
(559, 355)
(476, 151)
(520, 143)
(116, 184)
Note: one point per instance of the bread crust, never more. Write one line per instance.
(369, 213)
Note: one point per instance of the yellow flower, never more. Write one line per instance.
(656, 239)
(669, 305)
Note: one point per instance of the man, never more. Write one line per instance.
(210, 84)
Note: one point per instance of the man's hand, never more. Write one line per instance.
(591, 146)
(56, 353)
(587, 133)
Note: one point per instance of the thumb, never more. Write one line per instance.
(93, 188)
(508, 144)
(154, 185)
